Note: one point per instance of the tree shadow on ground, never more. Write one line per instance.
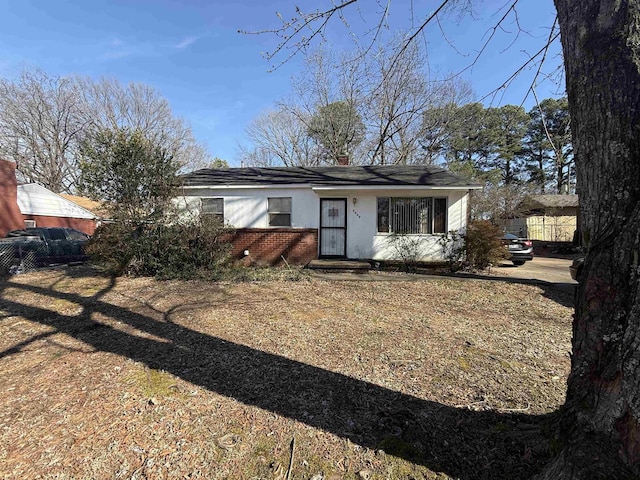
(462, 443)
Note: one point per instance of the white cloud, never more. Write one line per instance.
(118, 48)
(185, 42)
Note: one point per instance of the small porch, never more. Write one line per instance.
(339, 265)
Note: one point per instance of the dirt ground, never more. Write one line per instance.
(136, 378)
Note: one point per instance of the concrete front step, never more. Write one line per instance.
(339, 265)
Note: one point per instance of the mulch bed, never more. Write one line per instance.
(137, 378)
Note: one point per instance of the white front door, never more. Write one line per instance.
(333, 227)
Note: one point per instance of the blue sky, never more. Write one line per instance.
(216, 79)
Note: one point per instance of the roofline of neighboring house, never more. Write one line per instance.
(537, 202)
(95, 217)
(331, 187)
(96, 212)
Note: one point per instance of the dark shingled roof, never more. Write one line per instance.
(533, 202)
(383, 175)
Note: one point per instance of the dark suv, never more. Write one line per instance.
(46, 245)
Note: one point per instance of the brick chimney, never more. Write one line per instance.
(10, 216)
(343, 159)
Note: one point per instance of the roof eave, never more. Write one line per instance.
(227, 186)
(316, 187)
(393, 187)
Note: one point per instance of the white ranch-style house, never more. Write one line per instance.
(299, 214)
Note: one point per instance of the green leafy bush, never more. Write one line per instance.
(184, 249)
(483, 245)
(132, 174)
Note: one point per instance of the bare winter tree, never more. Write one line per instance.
(279, 137)
(41, 118)
(400, 93)
(329, 97)
(285, 135)
(138, 107)
(257, 157)
(601, 48)
(497, 202)
(387, 91)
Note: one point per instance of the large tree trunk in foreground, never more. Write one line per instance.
(601, 45)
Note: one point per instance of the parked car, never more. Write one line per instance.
(43, 246)
(575, 269)
(521, 249)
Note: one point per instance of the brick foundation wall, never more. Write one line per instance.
(84, 225)
(267, 246)
(10, 216)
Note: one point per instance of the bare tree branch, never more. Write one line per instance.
(553, 34)
(531, 60)
(419, 30)
(298, 24)
(41, 118)
(292, 33)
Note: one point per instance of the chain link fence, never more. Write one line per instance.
(20, 257)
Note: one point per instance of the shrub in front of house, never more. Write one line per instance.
(184, 249)
(483, 246)
(453, 249)
(408, 249)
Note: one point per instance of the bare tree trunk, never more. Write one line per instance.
(601, 45)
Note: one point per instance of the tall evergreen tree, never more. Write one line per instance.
(505, 127)
(134, 177)
(337, 127)
(548, 151)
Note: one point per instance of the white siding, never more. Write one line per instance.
(35, 199)
(364, 241)
(247, 208)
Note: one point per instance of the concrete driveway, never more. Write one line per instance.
(552, 270)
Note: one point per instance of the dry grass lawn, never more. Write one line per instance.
(136, 378)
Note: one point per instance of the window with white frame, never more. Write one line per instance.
(214, 207)
(279, 211)
(412, 215)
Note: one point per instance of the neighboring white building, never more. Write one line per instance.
(303, 213)
(549, 218)
(33, 205)
(40, 207)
